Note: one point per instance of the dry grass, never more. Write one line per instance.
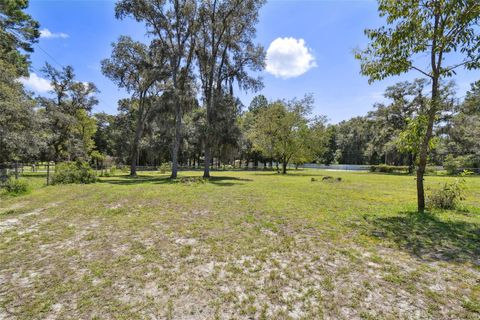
(243, 245)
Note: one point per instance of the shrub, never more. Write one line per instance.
(448, 196)
(164, 167)
(124, 169)
(454, 165)
(17, 187)
(451, 164)
(73, 172)
(389, 169)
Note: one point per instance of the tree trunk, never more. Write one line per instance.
(176, 139)
(135, 146)
(284, 166)
(206, 169)
(423, 152)
(411, 163)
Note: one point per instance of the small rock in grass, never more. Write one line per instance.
(186, 241)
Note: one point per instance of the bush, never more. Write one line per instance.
(164, 167)
(124, 169)
(455, 165)
(389, 169)
(73, 172)
(451, 164)
(449, 196)
(17, 187)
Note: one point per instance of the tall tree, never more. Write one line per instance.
(463, 129)
(69, 126)
(281, 130)
(415, 27)
(104, 133)
(172, 24)
(139, 69)
(351, 140)
(18, 32)
(19, 136)
(389, 120)
(225, 52)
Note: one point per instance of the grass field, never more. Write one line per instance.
(244, 245)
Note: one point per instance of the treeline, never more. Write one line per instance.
(183, 108)
(390, 135)
(285, 132)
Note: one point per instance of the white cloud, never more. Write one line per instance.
(289, 58)
(45, 33)
(36, 83)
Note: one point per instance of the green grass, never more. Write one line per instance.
(241, 245)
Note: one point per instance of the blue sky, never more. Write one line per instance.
(80, 34)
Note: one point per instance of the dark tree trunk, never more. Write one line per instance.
(135, 146)
(284, 166)
(176, 140)
(206, 169)
(48, 173)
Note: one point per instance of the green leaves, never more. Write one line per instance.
(414, 27)
(18, 31)
(281, 130)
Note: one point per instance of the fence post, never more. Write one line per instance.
(48, 173)
(16, 170)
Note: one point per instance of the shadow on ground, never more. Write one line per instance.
(428, 237)
(187, 180)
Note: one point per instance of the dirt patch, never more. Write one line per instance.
(13, 222)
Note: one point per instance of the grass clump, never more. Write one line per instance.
(74, 172)
(165, 167)
(448, 196)
(16, 187)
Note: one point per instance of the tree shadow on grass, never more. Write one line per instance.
(165, 179)
(290, 173)
(227, 181)
(427, 237)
